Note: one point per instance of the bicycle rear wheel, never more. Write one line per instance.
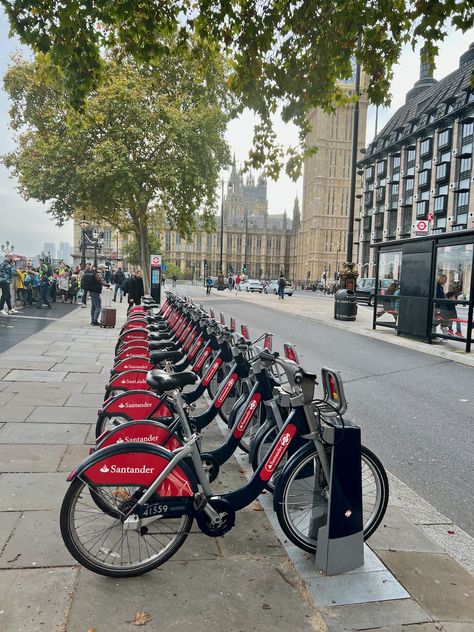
(97, 539)
(303, 502)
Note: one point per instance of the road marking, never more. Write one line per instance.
(33, 317)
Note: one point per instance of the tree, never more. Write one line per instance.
(146, 147)
(285, 53)
(131, 249)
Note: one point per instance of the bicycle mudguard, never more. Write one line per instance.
(137, 465)
(145, 431)
(134, 363)
(143, 344)
(131, 379)
(131, 352)
(133, 324)
(138, 333)
(133, 405)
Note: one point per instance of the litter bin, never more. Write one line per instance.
(345, 305)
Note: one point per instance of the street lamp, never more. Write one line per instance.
(84, 225)
(7, 248)
(220, 276)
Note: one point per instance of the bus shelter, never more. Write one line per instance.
(428, 288)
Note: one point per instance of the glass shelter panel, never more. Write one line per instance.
(388, 293)
(451, 294)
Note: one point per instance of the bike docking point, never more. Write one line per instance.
(341, 538)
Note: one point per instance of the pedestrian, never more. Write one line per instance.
(95, 282)
(119, 278)
(53, 285)
(28, 280)
(73, 289)
(7, 270)
(87, 269)
(174, 279)
(136, 289)
(281, 286)
(237, 283)
(163, 280)
(209, 284)
(107, 276)
(231, 283)
(45, 290)
(20, 287)
(63, 287)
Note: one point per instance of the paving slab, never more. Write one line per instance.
(455, 541)
(85, 399)
(45, 365)
(35, 600)
(246, 595)
(417, 627)
(12, 413)
(41, 398)
(82, 357)
(23, 549)
(252, 536)
(5, 397)
(4, 385)
(36, 376)
(87, 378)
(8, 520)
(52, 414)
(38, 433)
(72, 456)
(91, 367)
(397, 533)
(33, 492)
(3, 372)
(30, 458)
(439, 584)
(94, 388)
(376, 614)
(26, 356)
(449, 626)
(36, 388)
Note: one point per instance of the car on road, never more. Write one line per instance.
(365, 289)
(272, 288)
(252, 285)
(215, 283)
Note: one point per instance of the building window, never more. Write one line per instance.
(461, 207)
(424, 178)
(421, 209)
(396, 160)
(444, 138)
(381, 168)
(425, 147)
(442, 171)
(408, 196)
(465, 167)
(440, 204)
(406, 222)
(168, 240)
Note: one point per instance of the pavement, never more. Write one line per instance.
(51, 385)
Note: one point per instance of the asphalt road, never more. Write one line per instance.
(416, 411)
(15, 328)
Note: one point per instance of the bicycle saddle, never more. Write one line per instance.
(155, 345)
(162, 381)
(166, 354)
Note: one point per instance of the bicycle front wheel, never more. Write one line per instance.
(303, 503)
(97, 539)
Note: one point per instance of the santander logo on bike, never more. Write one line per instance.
(277, 453)
(135, 405)
(115, 469)
(226, 390)
(247, 416)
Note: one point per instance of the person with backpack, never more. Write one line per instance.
(281, 287)
(7, 270)
(118, 279)
(93, 282)
(73, 289)
(44, 289)
(88, 268)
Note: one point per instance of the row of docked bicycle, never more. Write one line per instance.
(131, 503)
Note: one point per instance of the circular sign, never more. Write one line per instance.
(430, 217)
(155, 261)
(421, 226)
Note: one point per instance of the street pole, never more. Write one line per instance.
(355, 138)
(245, 240)
(220, 276)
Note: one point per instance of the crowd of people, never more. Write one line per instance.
(43, 285)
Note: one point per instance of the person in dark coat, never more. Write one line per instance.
(136, 289)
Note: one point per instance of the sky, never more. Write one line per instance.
(27, 225)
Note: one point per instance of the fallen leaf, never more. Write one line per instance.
(91, 630)
(451, 532)
(266, 606)
(121, 494)
(141, 618)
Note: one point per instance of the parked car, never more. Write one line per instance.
(365, 289)
(252, 285)
(272, 288)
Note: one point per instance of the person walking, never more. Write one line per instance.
(237, 283)
(44, 289)
(174, 279)
(7, 270)
(63, 286)
(281, 287)
(73, 289)
(209, 284)
(119, 278)
(87, 269)
(95, 283)
(135, 288)
(231, 283)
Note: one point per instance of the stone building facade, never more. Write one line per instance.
(322, 237)
(417, 173)
(254, 240)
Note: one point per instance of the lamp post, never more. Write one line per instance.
(220, 276)
(246, 225)
(84, 225)
(7, 248)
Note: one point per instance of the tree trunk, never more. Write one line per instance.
(144, 255)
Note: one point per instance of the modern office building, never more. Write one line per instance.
(49, 250)
(417, 173)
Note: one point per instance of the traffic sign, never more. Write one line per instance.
(422, 226)
(163, 267)
(430, 218)
(155, 260)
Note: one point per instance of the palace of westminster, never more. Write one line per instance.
(418, 167)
